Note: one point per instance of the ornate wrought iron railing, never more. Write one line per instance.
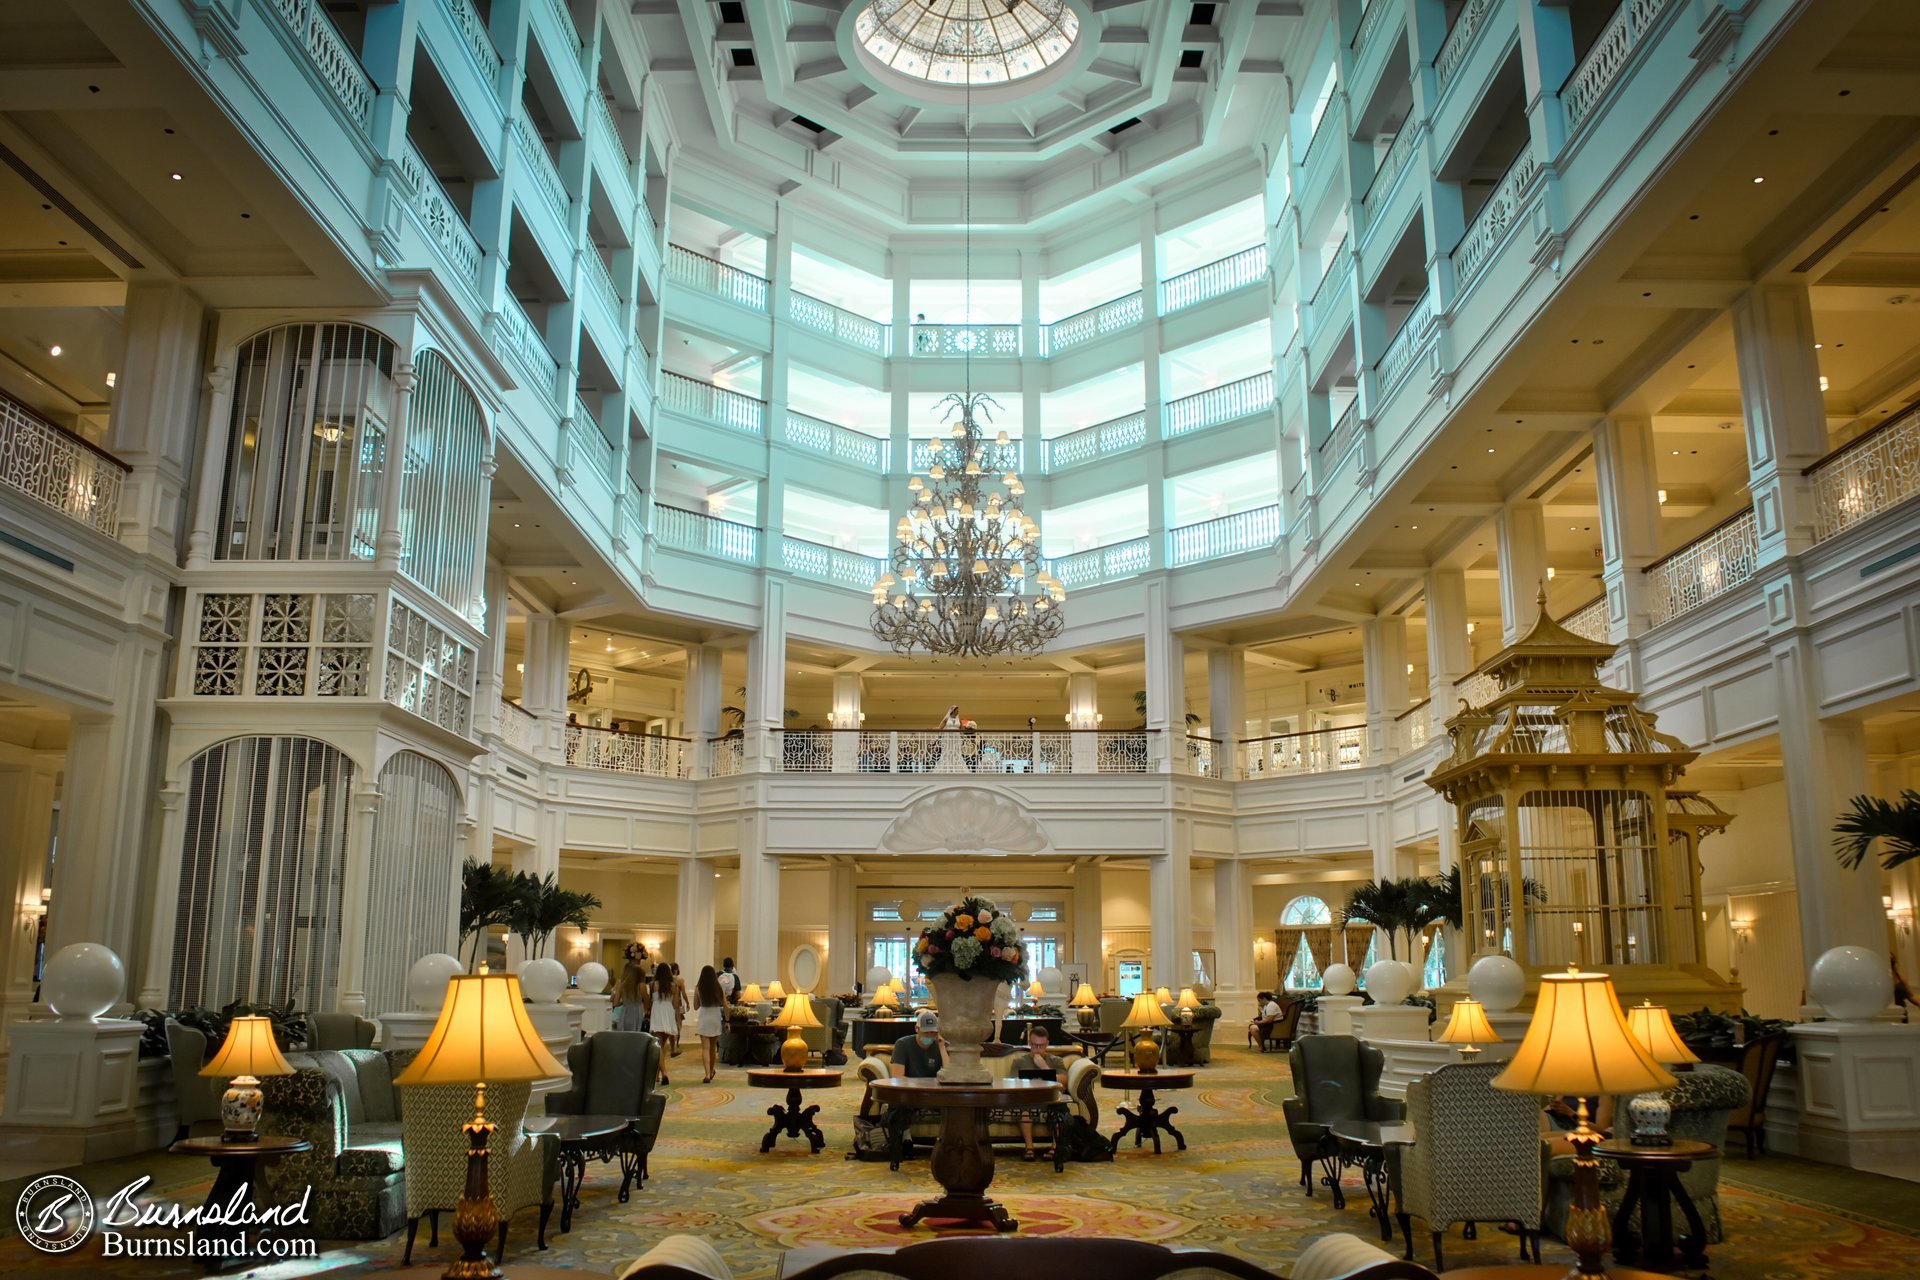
(1095, 322)
(652, 754)
(57, 468)
(850, 327)
(1866, 476)
(1713, 564)
(836, 441)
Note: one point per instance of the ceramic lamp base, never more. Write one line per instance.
(240, 1109)
(1146, 1054)
(793, 1050)
(1650, 1114)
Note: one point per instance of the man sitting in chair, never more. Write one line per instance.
(1269, 1014)
(916, 1057)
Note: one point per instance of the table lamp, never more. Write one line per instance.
(1578, 1046)
(1653, 1027)
(1086, 1002)
(1164, 996)
(776, 992)
(1188, 1003)
(797, 1014)
(1145, 1015)
(1035, 990)
(885, 999)
(1468, 1027)
(483, 1036)
(245, 1055)
(752, 994)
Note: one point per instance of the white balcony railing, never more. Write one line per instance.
(1410, 726)
(830, 564)
(1116, 435)
(836, 441)
(332, 57)
(516, 727)
(1478, 689)
(1083, 327)
(1221, 276)
(1392, 161)
(590, 444)
(1340, 441)
(1317, 751)
(1711, 565)
(698, 271)
(1459, 41)
(1101, 564)
(518, 341)
(1496, 218)
(1254, 530)
(540, 163)
(1399, 357)
(1624, 34)
(724, 756)
(850, 327)
(652, 754)
(1220, 404)
(1335, 261)
(1372, 20)
(564, 14)
(600, 280)
(604, 110)
(1204, 757)
(960, 340)
(923, 751)
(709, 535)
(59, 469)
(1589, 620)
(442, 222)
(999, 457)
(713, 404)
(1872, 474)
(473, 30)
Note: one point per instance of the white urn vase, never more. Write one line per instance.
(966, 1020)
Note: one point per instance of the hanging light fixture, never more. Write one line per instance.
(965, 578)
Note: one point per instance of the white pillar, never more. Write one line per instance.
(356, 888)
(1629, 485)
(693, 919)
(1521, 530)
(1449, 658)
(1170, 890)
(1166, 683)
(844, 966)
(758, 947)
(393, 470)
(846, 720)
(766, 682)
(1785, 419)
(153, 424)
(1226, 707)
(1083, 716)
(1233, 938)
(701, 721)
(204, 535)
(26, 833)
(1383, 650)
(1089, 953)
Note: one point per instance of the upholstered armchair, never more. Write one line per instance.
(613, 1075)
(197, 1096)
(522, 1167)
(1279, 1033)
(1334, 1078)
(826, 1012)
(1476, 1156)
(342, 1102)
(1203, 1019)
(340, 1031)
(1113, 1011)
(1703, 1101)
(1758, 1058)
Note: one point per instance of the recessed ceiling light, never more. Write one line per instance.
(1818, 345)
(1758, 181)
(174, 176)
(54, 350)
(1823, 382)
(1489, 451)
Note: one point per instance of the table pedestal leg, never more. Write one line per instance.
(963, 1166)
(1373, 1173)
(573, 1172)
(1148, 1122)
(794, 1121)
(630, 1172)
(233, 1175)
(1330, 1167)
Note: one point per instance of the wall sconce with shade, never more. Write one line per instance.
(247, 1053)
(1468, 1028)
(752, 994)
(483, 1036)
(1145, 1015)
(1578, 1046)
(797, 1014)
(1653, 1027)
(1086, 1002)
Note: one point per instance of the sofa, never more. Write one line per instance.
(1081, 1094)
(614, 1074)
(340, 1031)
(344, 1103)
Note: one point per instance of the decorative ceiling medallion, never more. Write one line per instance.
(981, 42)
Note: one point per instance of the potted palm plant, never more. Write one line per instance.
(1895, 823)
(488, 897)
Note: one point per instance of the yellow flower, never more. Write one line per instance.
(963, 922)
(983, 933)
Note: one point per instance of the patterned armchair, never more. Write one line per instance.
(614, 1073)
(522, 1167)
(1703, 1100)
(1476, 1157)
(344, 1103)
(1334, 1078)
(1203, 1019)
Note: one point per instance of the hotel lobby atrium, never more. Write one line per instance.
(1262, 638)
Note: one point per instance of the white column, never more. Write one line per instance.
(150, 985)
(1083, 716)
(1233, 938)
(204, 535)
(844, 966)
(1629, 486)
(766, 681)
(701, 721)
(1170, 890)
(846, 719)
(1521, 530)
(26, 834)
(1089, 953)
(392, 471)
(1383, 649)
(1449, 657)
(1227, 707)
(153, 424)
(758, 947)
(356, 888)
(693, 919)
(1785, 419)
(1166, 684)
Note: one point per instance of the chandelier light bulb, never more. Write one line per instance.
(959, 430)
(936, 472)
(914, 485)
(991, 615)
(1001, 439)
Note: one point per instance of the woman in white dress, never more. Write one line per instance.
(666, 1026)
(710, 1014)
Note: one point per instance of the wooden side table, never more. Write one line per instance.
(962, 1157)
(1182, 1055)
(236, 1173)
(1653, 1187)
(792, 1120)
(582, 1138)
(1148, 1121)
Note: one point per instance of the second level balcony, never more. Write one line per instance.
(58, 469)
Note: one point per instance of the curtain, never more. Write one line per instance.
(1358, 938)
(1320, 944)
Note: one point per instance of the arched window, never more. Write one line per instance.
(1304, 916)
(1303, 974)
(306, 444)
(443, 494)
(414, 882)
(1306, 910)
(1433, 975)
(258, 913)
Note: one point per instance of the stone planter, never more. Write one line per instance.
(966, 1020)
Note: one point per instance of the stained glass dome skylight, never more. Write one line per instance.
(967, 41)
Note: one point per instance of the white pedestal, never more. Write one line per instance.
(596, 1012)
(1859, 1092)
(1408, 1060)
(1335, 1012)
(407, 1030)
(72, 1091)
(559, 1027)
(1511, 1025)
(1378, 1022)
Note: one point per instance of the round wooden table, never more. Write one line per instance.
(1653, 1187)
(582, 1138)
(1182, 1054)
(1148, 1121)
(792, 1120)
(962, 1156)
(236, 1174)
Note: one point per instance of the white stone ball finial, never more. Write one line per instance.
(1497, 982)
(83, 980)
(544, 980)
(1851, 983)
(1337, 980)
(1391, 981)
(427, 980)
(591, 978)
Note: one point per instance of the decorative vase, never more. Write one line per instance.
(966, 1019)
(1650, 1113)
(793, 1051)
(1146, 1053)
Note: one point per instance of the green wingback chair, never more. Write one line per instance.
(1203, 1019)
(340, 1031)
(197, 1096)
(826, 1012)
(614, 1073)
(1334, 1078)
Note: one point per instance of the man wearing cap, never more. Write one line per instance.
(916, 1057)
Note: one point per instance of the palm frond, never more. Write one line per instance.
(1877, 818)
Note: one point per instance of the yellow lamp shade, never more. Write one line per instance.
(776, 992)
(1578, 1044)
(248, 1050)
(1188, 1000)
(1034, 990)
(1653, 1027)
(1164, 996)
(885, 999)
(483, 1035)
(899, 987)
(752, 994)
(1083, 998)
(1468, 1027)
(797, 1012)
(1146, 1012)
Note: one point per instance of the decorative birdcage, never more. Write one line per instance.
(1575, 846)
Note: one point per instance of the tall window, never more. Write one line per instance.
(443, 493)
(896, 953)
(261, 867)
(1366, 961)
(1041, 954)
(1434, 975)
(1299, 917)
(415, 875)
(1303, 974)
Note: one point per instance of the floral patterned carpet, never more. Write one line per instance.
(1233, 1189)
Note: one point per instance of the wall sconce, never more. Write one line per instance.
(1742, 929)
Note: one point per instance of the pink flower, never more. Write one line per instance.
(996, 953)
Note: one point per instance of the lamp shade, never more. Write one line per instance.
(483, 1035)
(752, 994)
(1163, 995)
(797, 1012)
(1146, 1012)
(885, 999)
(1083, 998)
(1035, 990)
(1578, 1044)
(1653, 1027)
(775, 991)
(1468, 1025)
(899, 987)
(248, 1050)
(1188, 1000)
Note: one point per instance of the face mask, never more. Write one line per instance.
(925, 1039)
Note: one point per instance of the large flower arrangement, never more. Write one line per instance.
(973, 938)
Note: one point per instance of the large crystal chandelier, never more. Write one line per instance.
(966, 578)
